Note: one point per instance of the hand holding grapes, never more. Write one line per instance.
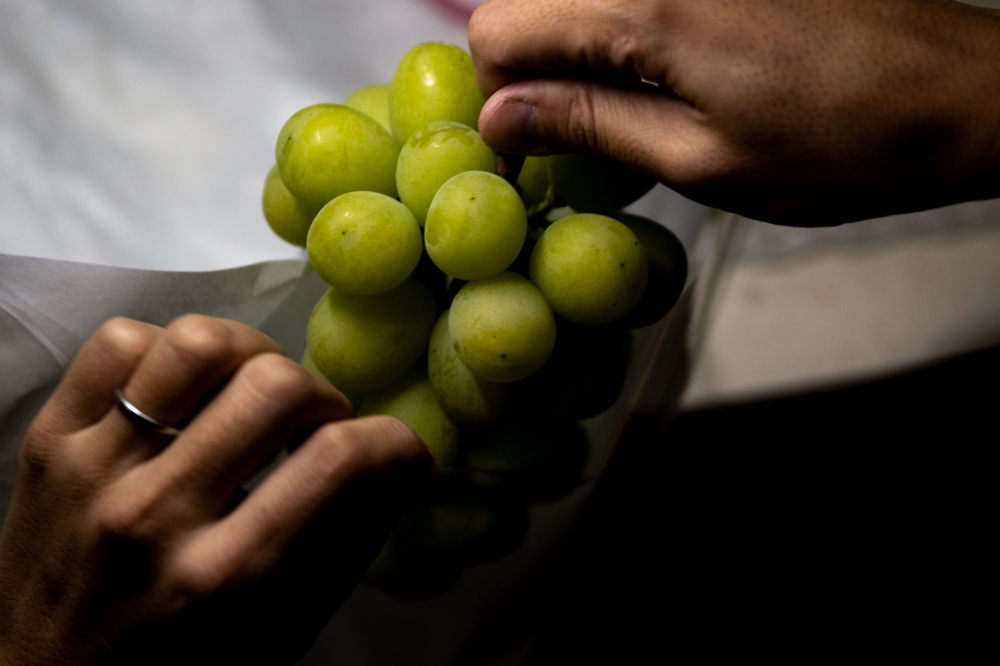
(122, 543)
(793, 112)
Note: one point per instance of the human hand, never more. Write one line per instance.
(808, 113)
(122, 545)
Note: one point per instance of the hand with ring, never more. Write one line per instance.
(130, 538)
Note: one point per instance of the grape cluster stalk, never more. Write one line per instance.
(484, 299)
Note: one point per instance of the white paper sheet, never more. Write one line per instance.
(48, 308)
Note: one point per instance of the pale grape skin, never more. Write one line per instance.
(503, 327)
(534, 180)
(364, 243)
(591, 268)
(288, 216)
(353, 397)
(432, 156)
(467, 398)
(668, 267)
(373, 101)
(596, 184)
(433, 81)
(326, 150)
(476, 226)
(412, 400)
(363, 343)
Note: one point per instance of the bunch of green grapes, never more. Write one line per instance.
(487, 307)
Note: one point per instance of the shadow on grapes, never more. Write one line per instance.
(438, 538)
(535, 459)
(433, 278)
(585, 374)
(480, 512)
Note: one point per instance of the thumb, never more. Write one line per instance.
(641, 126)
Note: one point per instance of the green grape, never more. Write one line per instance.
(373, 101)
(591, 268)
(464, 396)
(326, 150)
(585, 374)
(412, 400)
(431, 156)
(476, 226)
(353, 397)
(667, 270)
(433, 81)
(287, 215)
(534, 180)
(404, 572)
(596, 184)
(363, 343)
(503, 327)
(364, 243)
(459, 527)
(532, 458)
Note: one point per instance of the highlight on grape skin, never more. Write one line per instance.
(326, 150)
(434, 81)
(364, 243)
(591, 268)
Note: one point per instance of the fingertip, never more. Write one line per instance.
(409, 447)
(509, 123)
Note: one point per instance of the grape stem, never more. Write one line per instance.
(537, 213)
(509, 167)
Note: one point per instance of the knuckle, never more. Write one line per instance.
(401, 441)
(382, 440)
(125, 520)
(350, 448)
(479, 27)
(581, 120)
(278, 379)
(196, 578)
(136, 510)
(121, 337)
(200, 340)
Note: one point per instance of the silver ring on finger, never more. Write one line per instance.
(143, 420)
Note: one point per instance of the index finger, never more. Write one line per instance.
(510, 39)
(252, 539)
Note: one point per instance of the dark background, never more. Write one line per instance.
(853, 522)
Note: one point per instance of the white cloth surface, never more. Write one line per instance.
(138, 132)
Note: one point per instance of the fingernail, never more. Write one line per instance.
(513, 126)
